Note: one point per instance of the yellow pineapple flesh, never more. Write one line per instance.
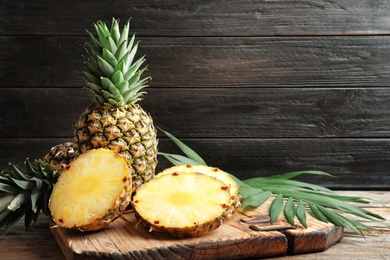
(92, 192)
(213, 172)
(183, 204)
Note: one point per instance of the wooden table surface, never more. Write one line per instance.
(39, 243)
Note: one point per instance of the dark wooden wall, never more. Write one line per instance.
(255, 87)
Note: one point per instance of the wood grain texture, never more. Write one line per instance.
(35, 243)
(357, 163)
(210, 112)
(226, 62)
(200, 18)
(247, 235)
(256, 87)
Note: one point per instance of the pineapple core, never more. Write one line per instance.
(91, 188)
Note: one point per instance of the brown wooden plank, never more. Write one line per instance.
(212, 112)
(247, 234)
(34, 244)
(38, 243)
(351, 247)
(352, 61)
(358, 163)
(271, 112)
(199, 18)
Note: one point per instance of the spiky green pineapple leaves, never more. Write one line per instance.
(113, 78)
(292, 198)
(25, 191)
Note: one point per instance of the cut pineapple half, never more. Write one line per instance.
(213, 172)
(92, 192)
(183, 205)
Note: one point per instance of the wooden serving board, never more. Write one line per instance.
(248, 234)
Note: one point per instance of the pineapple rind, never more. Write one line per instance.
(210, 171)
(60, 156)
(183, 205)
(128, 131)
(92, 192)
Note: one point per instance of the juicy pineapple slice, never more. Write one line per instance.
(92, 192)
(183, 204)
(213, 172)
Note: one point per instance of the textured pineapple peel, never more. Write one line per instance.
(92, 192)
(184, 203)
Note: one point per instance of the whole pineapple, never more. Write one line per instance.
(60, 156)
(115, 120)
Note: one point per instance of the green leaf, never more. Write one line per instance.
(317, 213)
(301, 213)
(289, 211)
(107, 95)
(93, 69)
(105, 67)
(331, 216)
(297, 173)
(131, 74)
(268, 181)
(8, 188)
(109, 57)
(25, 185)
(94, 88)
(5, 200)
(14, 217)
(18, 172)
(18, 201)
(28, 218)
(186, 150)
(276, 208)
(111, 44)
(102, 32)
(120, 66)
(35, 196)
(122, 87)
(115, 33)
(91, 78)
(117, 78)
(121, 51)
(176, 159)
(93, 51)
(256, 200)
(39, 183)
(113, 90)
(94, 40)
(131, 54)
(125, 33)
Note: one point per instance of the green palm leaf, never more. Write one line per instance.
(276, 208)
(290, 211)
(185, 149)
(319, 201)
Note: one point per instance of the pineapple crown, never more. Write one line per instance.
(25, 191)
(113, 79)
